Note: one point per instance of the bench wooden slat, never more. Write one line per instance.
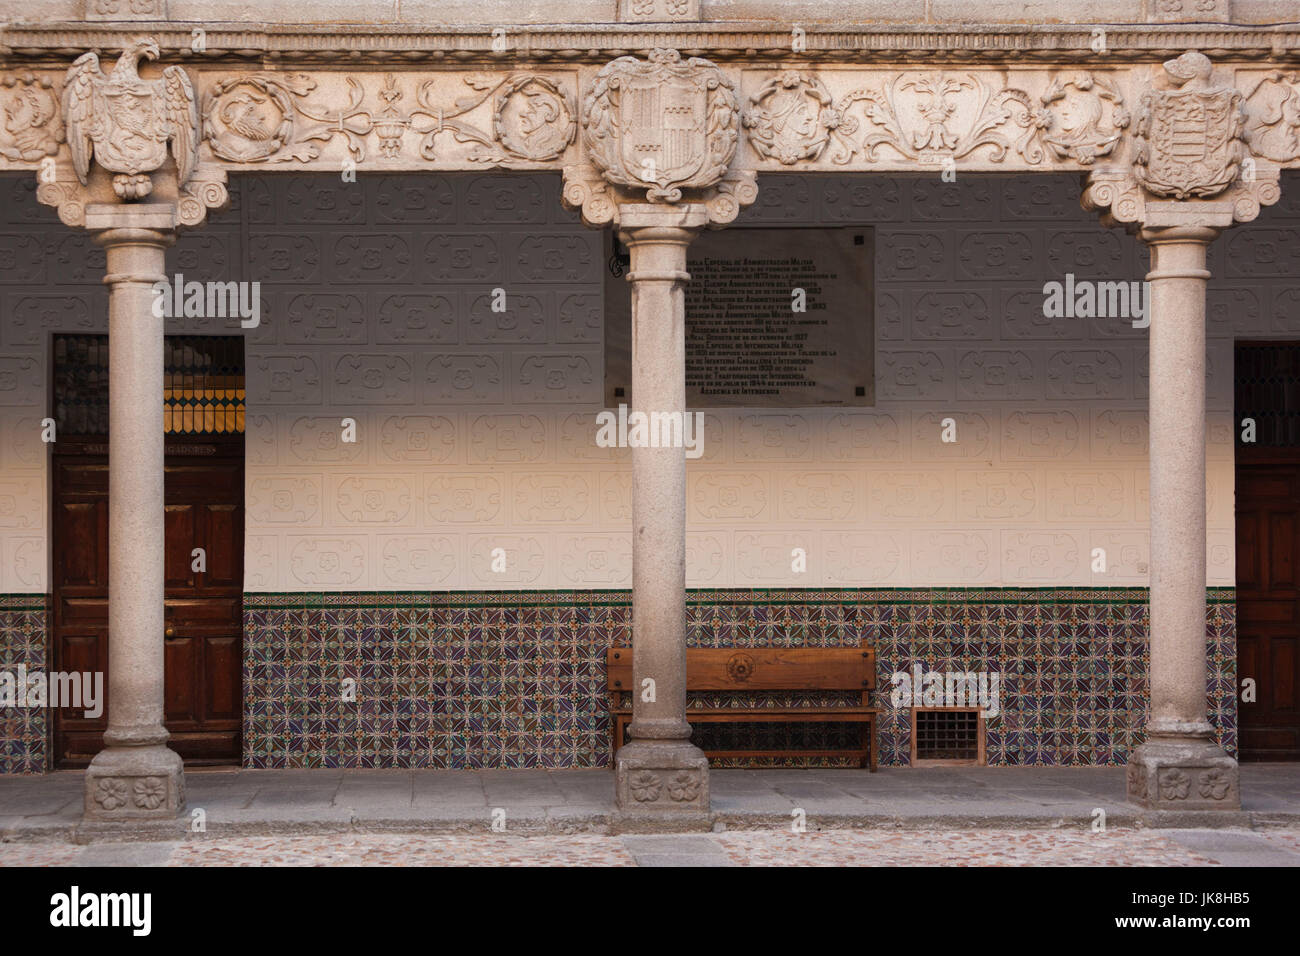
(762, 668)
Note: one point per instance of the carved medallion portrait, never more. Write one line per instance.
(248, 119)
(29, 108)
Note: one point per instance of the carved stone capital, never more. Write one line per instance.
(1191, 166)
(1123, 201)
(58, 186)
(601, 204)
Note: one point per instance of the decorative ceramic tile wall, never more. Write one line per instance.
(499, 679)
(23, 644)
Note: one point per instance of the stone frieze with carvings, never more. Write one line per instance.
(659, 128)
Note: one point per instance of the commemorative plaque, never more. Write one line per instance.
(774, 318)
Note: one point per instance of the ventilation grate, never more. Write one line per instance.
(947, 735)
(1268, 390)
(203, 385)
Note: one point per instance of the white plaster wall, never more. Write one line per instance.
(476, 429)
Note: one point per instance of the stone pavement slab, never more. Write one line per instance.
(870, 848)
(530, 802)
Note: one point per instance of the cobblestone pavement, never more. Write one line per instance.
(1116, 847)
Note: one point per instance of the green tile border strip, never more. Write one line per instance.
(906, 596)
(26, 602)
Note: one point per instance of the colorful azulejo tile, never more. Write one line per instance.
(517, 679)
(23, 643)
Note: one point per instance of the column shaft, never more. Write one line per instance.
(135, 489)
(135, 776)
(659, 771)
(658, 277)
(1177, 461)
(1180, 767)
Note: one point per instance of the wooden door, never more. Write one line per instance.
(204, 492)
(1268, 550)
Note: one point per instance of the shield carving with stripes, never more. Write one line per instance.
(662, 124)
(1189, 140)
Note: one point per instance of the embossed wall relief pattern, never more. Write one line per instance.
(475, 428)
(459, 456)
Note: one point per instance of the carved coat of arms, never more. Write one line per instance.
(665, 125)
(127, 121)
(1189, 139)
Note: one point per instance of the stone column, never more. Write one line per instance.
(659, 771)
(135, 776)
(1180, 766)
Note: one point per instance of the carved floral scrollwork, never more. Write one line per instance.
(664, 124)
(1115, 193)
(259, 119)
(533, 119)
(263, 118)
(205, 190)
(791, 119)
(924, 117)
(1074, 123)
(30, 129)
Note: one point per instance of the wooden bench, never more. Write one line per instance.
(766, 669)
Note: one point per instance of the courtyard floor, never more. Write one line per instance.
(1113, 848)
(897, 816)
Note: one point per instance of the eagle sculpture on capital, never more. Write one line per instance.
(127, 122)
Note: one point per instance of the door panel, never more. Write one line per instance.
(1268, 607)
(203, 690)
(1267, 390)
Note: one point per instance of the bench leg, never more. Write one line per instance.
(868, 758)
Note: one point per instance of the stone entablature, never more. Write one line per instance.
(1131, 125)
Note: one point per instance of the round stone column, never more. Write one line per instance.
(135, 776)
(1180, 766)
(659, 772)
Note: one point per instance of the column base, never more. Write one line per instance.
(1183, 773)
(661, 777)
(135, 783)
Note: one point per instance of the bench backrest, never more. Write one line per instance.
(762, 668)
